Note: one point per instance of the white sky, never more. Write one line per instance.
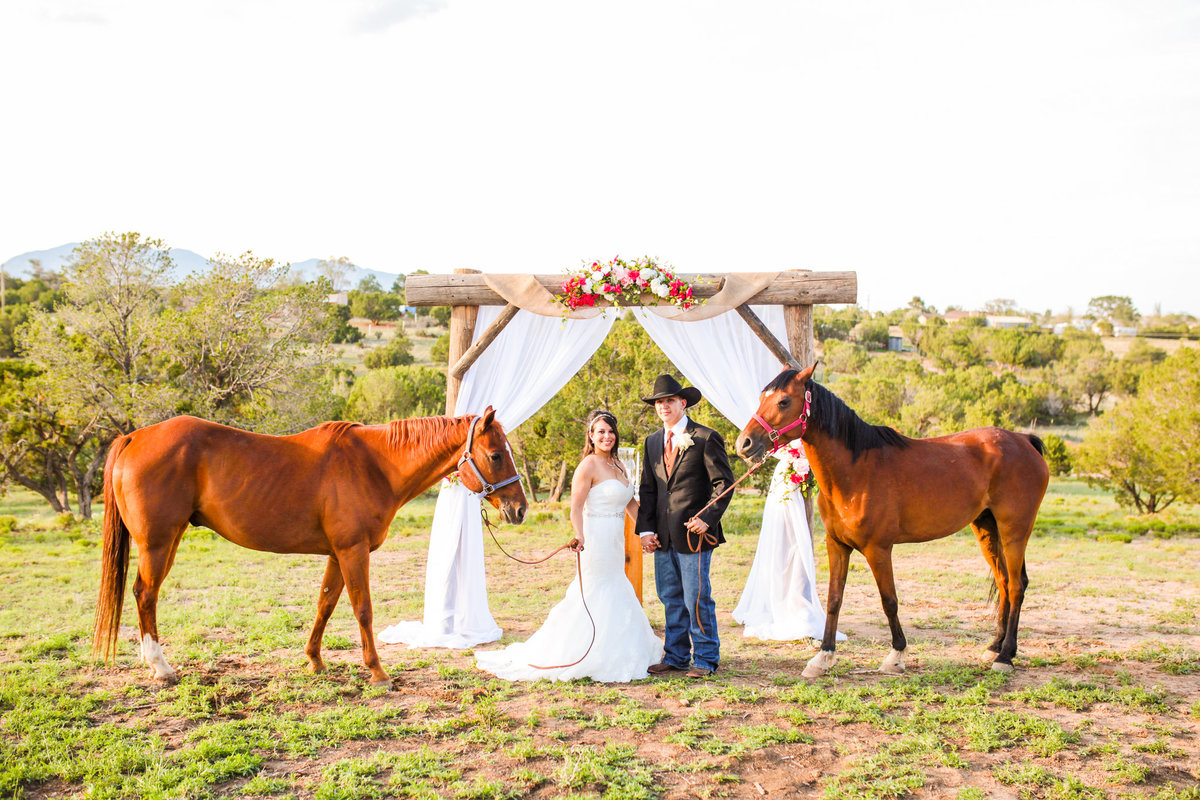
(1039, 150)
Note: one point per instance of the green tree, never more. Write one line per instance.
(441, 314)
(369, 284)
(41, 448)
(374, 306)
(396, 353)
(1058, 457)
(1140, 356)
(844, 358)
(392, 393)
(439, 353)
(340, 329)
(101, 352)
(240, 341)
(1113, 309)
(1147, 449)
(1086, 371)
(337, 271)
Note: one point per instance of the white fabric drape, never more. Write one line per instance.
(780, 600)
(531, 359)
(729, 364)
(721, 356)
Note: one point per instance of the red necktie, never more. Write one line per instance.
(669, 456)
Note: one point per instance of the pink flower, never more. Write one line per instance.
(795, 478)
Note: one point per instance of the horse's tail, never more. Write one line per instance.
(1037, 444)
(987, 522)
(114, 562)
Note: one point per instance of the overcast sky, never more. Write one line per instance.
(1043, 151)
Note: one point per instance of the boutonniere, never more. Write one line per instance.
(683, 441)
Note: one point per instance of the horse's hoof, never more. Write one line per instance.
(893, 664)
(1000, 666)
(385, 684)
(989, 656)
(169, 679)
(316, 667)
(818, 664)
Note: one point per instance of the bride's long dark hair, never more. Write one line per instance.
(589, 447)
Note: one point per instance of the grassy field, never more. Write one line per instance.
(1105, 702)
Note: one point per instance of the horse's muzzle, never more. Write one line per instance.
(513, 512)
(750, 448)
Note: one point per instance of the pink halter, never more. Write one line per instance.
(801, 420)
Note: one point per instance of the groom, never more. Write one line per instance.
(684, 466)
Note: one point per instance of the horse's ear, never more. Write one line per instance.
(806, 374)
(488, 416)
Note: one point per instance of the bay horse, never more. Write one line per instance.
(331, 490)
(879, 488)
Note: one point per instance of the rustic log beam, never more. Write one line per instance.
(462, 330)
(794, 287)
(476, 350)
(799, 323)
(764, 333)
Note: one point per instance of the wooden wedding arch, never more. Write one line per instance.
(465, 290)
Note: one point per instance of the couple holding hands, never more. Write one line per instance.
(684, 466)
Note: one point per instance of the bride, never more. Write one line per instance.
(601, 496)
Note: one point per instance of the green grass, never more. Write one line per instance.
(1102, 705)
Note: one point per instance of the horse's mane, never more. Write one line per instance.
(422, 433)
(337, 429)
(830, 415)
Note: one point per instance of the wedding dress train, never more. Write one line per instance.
(625, 644)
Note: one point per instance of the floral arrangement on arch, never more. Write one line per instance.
(622, 282)
(796, 474)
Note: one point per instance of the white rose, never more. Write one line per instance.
(649, 273)
(597, 276)
(659, 288)
(683, 441)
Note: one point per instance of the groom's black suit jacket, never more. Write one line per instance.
(701, 473)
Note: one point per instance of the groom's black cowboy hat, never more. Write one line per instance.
(665, 386)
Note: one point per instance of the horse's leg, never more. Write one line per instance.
(880, 560)
(1017, 580)
(356, 572)
(331, 590)
(988, 537)
(154, 562)
(839, 563)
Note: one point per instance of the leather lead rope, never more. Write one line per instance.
(487, 523)
(711, 538)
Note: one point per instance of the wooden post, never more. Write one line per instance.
(799, 323)
(633, 556)
(462, 330)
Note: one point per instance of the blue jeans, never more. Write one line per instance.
(682, 583)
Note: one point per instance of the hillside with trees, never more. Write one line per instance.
(117, 341)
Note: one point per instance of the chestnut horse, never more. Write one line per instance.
(879, 488)
(332, 490)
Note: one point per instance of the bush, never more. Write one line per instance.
(395, 353)
(8, 524)
(440, 352)
(1058, 457)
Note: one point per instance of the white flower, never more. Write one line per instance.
(649, 273)
(683, 441)
(587, 288)
(597, 276)
(659, 288)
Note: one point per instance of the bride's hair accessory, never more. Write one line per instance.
(589, 447)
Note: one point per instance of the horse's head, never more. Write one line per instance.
(487, 468)
(781, 416)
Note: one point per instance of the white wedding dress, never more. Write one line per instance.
(625, 644)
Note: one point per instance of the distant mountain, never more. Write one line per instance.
(186, 262)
